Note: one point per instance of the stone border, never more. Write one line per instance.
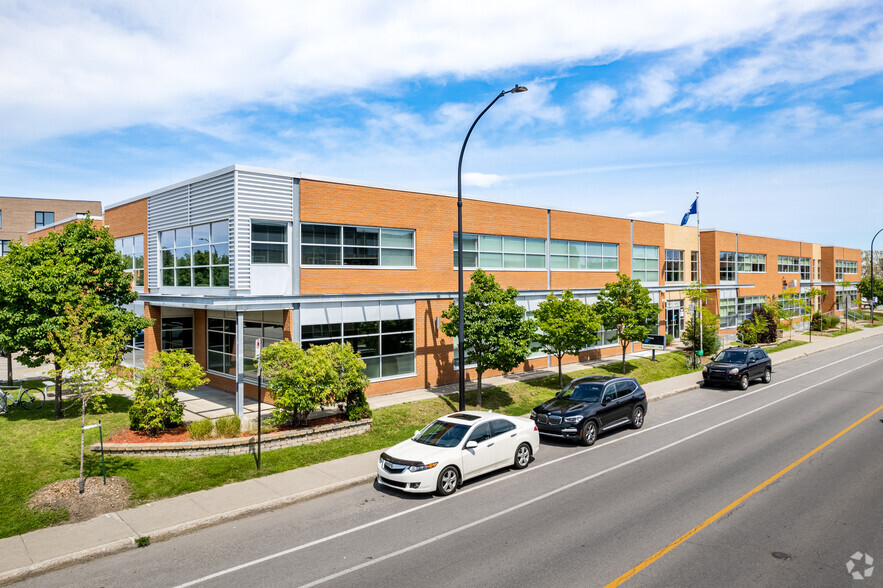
(238, 445)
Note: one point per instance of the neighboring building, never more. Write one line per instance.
(246, 253)
(20, 215)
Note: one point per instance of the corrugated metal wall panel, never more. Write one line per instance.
(168, 210)
(212, 199)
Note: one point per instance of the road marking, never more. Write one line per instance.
(659, 554)
(466, 491)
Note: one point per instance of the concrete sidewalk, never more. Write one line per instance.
(54, 547)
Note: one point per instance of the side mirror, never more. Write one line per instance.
(471, 444)
(416, 434)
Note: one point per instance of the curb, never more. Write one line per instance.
(128, 544)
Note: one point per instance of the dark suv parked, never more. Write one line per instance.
(590, 405)
(738, 366)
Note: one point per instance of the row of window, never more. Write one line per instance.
(197, 256)
(132, 250)
(794, 265)
(843, 267)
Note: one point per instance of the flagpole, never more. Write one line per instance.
(699, 255)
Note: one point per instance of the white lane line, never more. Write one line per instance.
(466, 491)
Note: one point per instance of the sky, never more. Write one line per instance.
(770, 110)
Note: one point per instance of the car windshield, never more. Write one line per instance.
(585, 392)
(732, 356)
(442, 434)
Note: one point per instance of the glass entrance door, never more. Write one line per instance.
(673, 322)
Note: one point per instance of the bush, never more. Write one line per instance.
(201, 429)
(155, 407)
(357, 405)
(154, 412)
(748, 332)
(710, 340)
(766, 323)
(228, 426)
(669, 338)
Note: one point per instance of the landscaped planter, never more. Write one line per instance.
(238, 445)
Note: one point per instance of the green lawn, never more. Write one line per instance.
(41, 450)
(785, 345)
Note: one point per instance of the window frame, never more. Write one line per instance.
(644, 271)
(43, 223)
(214, 269)
(512, 248)
(674, 266)
(727, 271)
(341, 246)
(285, 244)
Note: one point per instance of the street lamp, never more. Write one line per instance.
(462, 347)
(873, 290)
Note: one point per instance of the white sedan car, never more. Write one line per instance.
(455, 448)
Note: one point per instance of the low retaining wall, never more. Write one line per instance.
(238, 445)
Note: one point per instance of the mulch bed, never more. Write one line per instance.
(98, 498)
(179, 434)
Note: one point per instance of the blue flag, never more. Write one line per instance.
(689, 212)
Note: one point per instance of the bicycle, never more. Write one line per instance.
(27, 398)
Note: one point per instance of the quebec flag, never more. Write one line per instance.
(689, 212)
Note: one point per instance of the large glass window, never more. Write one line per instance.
(754, 263)
(350, 245)
(645, 263)
(177, 333)
(266, 326)
(196, 256)
(269, 242)
(694, 266)
(583, 255)
(843, 267)
(795, 265)
(41, 219)
(674, 265)
(746, 305)
(4, 248)
(728, 266)
(386, 346)
(498, 252)
(728, 312)
(132, 250)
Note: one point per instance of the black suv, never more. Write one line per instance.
(738, 366)
(590, 405)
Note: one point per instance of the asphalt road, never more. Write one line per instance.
(768, 487)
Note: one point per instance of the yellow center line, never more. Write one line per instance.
(656, 556)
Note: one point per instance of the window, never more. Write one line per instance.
(42, 219)
(221, 327)
(674, 265)
(356, 246)
(795, 265)
(496, 252)
(645, 263)
(132, 250)
(133, 356)
(728, 312)
(753, 263)
(196, 256)
(843, 267)
(583, 255)
(728, 267)
(386, 346)
(844, 297)
(269, 242)
(177, 333)
(818, 269)
(694, 266)
(791, 304)
(745, 307)
(4, 248)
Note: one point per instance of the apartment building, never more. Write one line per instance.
(245, 253)
(20, 215)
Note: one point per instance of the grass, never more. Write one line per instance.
(838, 333)
(785, 345)
(41, 450)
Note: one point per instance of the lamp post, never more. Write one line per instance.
(873, 290)
(461, 350)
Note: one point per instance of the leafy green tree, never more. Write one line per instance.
(625, 305)
(86, 364)
(708, 324)
(38, 281)
(498, 335)
(345, 380)
(864, 287)
(155, 407)
(566, 326)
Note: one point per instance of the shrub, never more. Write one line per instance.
(228, 426)
(357, 405)
(155, 407)
(748, 332)
(669, 338)
(816, 322)
(710, 340)
(766, 324)
(201, 429)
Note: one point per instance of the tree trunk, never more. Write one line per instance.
(478, 392)
(82, 444)
(623, 356)
(58, 412)
(9, 367)
(560, 379)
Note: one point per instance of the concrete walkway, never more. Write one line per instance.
(54, 547)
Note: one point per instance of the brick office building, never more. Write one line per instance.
(245, 253)
(18, 216)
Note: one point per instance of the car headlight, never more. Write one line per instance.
(421, 467)
(533, 414)
(705, 368)
(573, 419)
(733, 371)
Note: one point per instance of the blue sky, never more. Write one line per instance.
(771, 110)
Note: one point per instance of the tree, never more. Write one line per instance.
(864, 287)
(703, 335)
(155, 407)
(38, 281)
(566, 326)
(626, 306)
(345, 380)
(497, 334)
(87, 361)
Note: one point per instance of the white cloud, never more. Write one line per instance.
(481, 180)
(595, 100)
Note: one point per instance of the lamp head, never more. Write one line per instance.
(517, 89)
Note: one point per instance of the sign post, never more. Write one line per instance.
(257, 356)
(101, 440)
(654, 342)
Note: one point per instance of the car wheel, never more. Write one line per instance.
(638, 417)
(448, 480)
(767, 375)
(743, 383)
(588, 434)
(522, 456)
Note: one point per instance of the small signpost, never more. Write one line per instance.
(654, 342)
(101, 440)
(257, 356)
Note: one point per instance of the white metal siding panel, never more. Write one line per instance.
(168, 210)
(212, 199)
